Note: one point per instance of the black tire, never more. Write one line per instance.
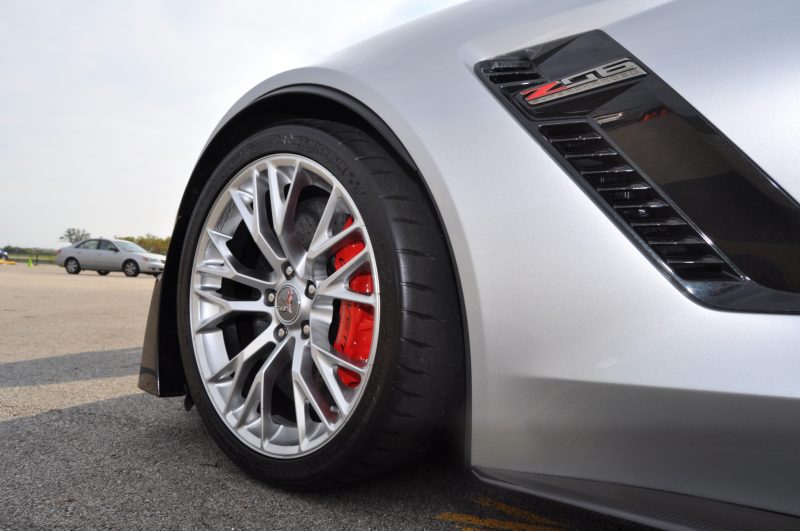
(72, 266)
(130, 268)
(102, 273)
(417, 383)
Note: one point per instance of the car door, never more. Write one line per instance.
(86, 253)
(108, 256)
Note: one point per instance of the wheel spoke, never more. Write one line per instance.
(237, 361)
(244, 364)
(301, 416)
(324, 244)
(259, 386)
(240, 366)
(284, 208)
(326, 370)
(255, 221)
(227, 308)
(304, 386)
(336, 359)
(229, 368)
(337, 285)
(324, 224)
(252, 400)
(230, 268)
(278, 180)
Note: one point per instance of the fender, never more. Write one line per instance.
(161, 372)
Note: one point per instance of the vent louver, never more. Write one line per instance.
(629, 194)
(511, 74)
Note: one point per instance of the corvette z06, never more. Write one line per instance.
(569, 230)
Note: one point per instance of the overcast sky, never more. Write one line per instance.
(106, 104)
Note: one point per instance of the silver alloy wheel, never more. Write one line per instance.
(72, 265)
(291, 297)
(130, 268)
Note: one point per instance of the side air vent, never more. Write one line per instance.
(511, 74)
(723, 231)
(629, 194)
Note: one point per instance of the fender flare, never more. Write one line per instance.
(161, 371)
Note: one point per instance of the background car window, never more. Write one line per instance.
(106, 245)
(90, 244)
(130, 247)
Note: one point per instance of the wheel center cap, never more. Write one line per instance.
(287, 304)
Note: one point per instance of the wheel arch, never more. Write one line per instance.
(161, 372)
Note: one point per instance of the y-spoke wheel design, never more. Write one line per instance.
(317, 313)
(281, 252)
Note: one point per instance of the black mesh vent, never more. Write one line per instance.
(511, 74)
(637, 203)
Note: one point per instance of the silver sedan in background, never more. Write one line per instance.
(104, 256)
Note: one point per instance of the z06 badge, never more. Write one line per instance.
(599, 76)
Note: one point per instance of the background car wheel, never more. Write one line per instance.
(72, 266)
(102, 273)
(318, 311)
(130, 268)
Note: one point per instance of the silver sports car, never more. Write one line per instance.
(568, 229)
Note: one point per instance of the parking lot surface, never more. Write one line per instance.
(82, 448)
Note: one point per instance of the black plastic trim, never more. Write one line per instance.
(651, 507)
(747, 225)
(160, 372)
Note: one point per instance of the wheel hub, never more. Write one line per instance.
(287, 304)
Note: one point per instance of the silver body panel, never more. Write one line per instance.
(586, 362)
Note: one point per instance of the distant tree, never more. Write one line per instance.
(73, 235)
(150, 242)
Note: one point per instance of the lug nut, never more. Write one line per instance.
(288, 271)
(306, 330)
(270, 298)
(311, 289)
(280, 332)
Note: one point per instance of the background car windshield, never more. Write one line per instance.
(129, 247)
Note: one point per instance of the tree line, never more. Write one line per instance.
(14, 249)
(149, 242)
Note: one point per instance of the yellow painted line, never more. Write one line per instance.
(516, 512)
(490, 523)
(30, 400)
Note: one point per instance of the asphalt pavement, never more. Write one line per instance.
(82, 448)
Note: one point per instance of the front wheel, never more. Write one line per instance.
(317, 311)
(72, 266)
(130, 268)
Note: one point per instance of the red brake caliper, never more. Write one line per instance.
(354, 337)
